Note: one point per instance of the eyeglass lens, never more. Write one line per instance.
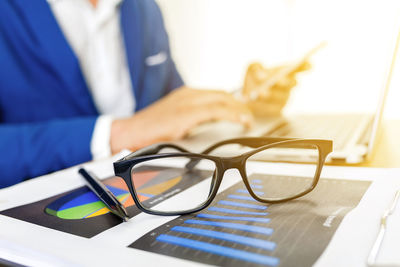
(158, 180)
(292, 183)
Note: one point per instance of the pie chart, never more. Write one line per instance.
(82, 203)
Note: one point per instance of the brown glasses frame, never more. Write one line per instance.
(123, 167)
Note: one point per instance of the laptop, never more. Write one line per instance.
(354, 135)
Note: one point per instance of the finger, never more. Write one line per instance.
(286, 84)
(262, 109)
(198, 106)
(261, 74)
(302, 66)
(183, 99)
(254, 67)
(202, 115)
(217, 98)
(274, 95)
(238, 112)
(200, 97)
(257, 73)
(305, 65)
(216, 113)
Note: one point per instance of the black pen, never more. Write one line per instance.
(105, 195)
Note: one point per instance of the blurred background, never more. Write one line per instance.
(213, 41)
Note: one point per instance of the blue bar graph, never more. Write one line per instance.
(250, 198)
(247, 241)
(219, 250)
(238, 231)
(242, 205)
(231, 211)
(247, 192)
(233, 218)
(235, 226)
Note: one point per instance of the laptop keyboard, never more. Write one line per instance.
(339, 128)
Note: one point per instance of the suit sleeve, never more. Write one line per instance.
(33, 149)
(175, 79)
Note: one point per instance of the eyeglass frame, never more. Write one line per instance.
(123, 167)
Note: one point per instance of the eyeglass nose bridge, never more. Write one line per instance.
(237, 162)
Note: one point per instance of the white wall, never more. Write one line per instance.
(214, 40)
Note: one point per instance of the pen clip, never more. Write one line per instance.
(104, 194)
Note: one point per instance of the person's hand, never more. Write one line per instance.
(173, 116)
(270, 98)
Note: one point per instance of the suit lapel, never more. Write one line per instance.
(52, 50)
(131, 23)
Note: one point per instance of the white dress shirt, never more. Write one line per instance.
(94, 33)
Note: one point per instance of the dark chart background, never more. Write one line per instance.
(90, 226)
(236, 230)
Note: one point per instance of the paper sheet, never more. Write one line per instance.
(349, 246)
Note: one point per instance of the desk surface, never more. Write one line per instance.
(387, 151)
(71, 248)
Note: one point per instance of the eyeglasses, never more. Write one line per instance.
(154, 177)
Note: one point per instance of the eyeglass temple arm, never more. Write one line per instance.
(153, 149)
(123, 164)
(250, 142)
(253, 142)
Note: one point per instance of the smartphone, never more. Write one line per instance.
(285, 72)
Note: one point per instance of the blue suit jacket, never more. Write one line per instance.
(46, 112)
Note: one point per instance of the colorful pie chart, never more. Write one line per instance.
(83, 203)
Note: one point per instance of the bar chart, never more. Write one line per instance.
(238, 230)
